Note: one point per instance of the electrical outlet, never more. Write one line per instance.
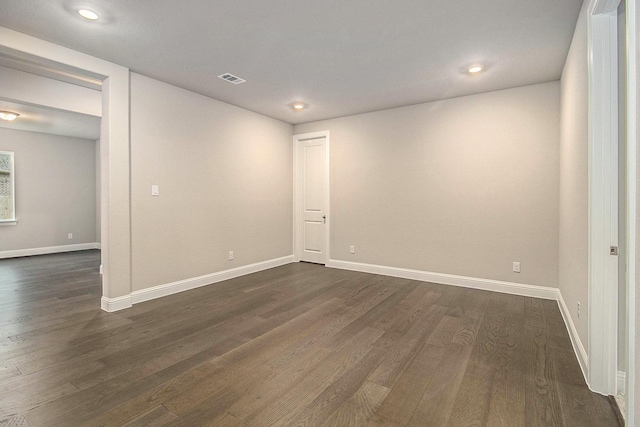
(578, 309)
(516, 267)
(352, 249)
(70, 236)
(230, 255)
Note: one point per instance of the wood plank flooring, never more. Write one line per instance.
(297, 345)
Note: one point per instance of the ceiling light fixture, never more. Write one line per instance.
(88, 14)
(8, 115)
(298, 106)
(475, 69)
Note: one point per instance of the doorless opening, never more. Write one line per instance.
(114, 155)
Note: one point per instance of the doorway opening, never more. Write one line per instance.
(114, 152)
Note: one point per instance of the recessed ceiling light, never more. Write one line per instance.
(88, 14)
(475, 69)
(8, 115)
(298, 106)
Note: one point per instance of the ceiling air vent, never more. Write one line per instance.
(231, 78)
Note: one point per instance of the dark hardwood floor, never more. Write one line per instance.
(299, 345)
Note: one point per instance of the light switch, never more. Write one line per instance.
(516, 267)
(155, 191)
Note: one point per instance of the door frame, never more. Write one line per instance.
(115, 227)
(603, 204)
(632, 189)
(603, 171)
(297, 196)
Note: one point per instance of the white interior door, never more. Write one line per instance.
(312, 198)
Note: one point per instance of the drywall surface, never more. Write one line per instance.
(37, 90)
(55, 182)
(574, 181)
(225, 183)
(98, 194)
(464, 186)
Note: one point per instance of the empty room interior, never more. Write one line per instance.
(411, 213)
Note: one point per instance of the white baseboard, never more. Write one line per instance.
(578, 348)
(208, 279)
(450, 279)
(622, 382)
(115, 304)
(48, 250)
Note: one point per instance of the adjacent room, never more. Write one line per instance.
(54, 146)
(320, 214)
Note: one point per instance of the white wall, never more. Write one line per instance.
(225, 180)
(463, 186)
(55, 190)
(20, 86)
(633, 28)
(574, 180)
(98, 186)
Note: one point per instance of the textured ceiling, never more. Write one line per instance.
(339, 57)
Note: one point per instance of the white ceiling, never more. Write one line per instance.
(36, 118)
(339, 57)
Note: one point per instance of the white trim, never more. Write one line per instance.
(603, 203)
(48, 250)
(115, 304)
(7, 222)
(450, 279)
(297, 244)
(578, 348)
(208, 279)
(632, 188)
(622, 382)
(98, 246)
(604, 6)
